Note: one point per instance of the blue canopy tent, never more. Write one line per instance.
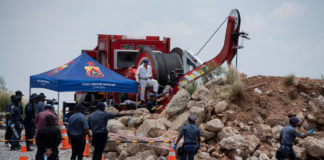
(83, 74)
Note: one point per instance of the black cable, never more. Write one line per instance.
(211, 36)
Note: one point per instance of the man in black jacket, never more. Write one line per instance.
(48, 139)
(29, 119)
(8, 129)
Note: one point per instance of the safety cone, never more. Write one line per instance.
(23, 151)
(172, 153)
(86, 149)
(65, 138)
(102, 157)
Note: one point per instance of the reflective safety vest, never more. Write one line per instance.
(143, 72)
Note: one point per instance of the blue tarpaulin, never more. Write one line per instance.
(83, 74)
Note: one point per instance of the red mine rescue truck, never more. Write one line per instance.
(172, 68)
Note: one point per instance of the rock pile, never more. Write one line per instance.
(231, 128)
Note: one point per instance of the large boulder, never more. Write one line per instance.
(201, 93)
(144, 155)
(234, 142)
(311, 118)
(199, 113)
(166, 136)
(221, 107)
(191, 104)
(308, 125)
(180, 121)
(163, 114)
(114, 125)
(301, 153)
(202, 156)
(137, 121)
(253, 142)
(264, 128)
(214, 125)
(235, 153)
(300, 116)
(167, 124)
(314, 146)
(201, 104)
(178, 103)
(263, 156)
(274, 120)
(111, 155)
(123, 155)
(207, 134)
(150, 128)
(124, 120)
(276, 130)
(215, 81)
(227, 132)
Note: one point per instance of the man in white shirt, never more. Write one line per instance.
(143, 73)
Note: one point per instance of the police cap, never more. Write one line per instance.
(146, 61)
(101, 105)
(33, 96)
(19, 93)
(48, 106)
(294, 120)
(79, 106)
(193, 118)
(152, 95)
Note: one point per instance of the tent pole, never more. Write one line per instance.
(136, 100)
(58, 107)
(29, 91)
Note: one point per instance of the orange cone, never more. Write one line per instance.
(102, 157)
(65, 138)
(23, 151)
(172, 153)
(86, 149)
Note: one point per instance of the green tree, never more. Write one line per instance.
(2, 83)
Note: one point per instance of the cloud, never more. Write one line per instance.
(288, 10)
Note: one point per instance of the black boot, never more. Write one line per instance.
(30, 149)
(15, 147)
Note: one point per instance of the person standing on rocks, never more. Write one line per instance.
(8, 128)
(29, 120)
(191, 135)
(48, 139)
(98, 124)
(78, 128)
(151, 104)
(287, 138)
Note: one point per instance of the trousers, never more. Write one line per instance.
(8, 132)
(13, 137)
(78, 143)
(29, 132)
(99, 141)
(143, 84)
(286, 152)
(189, 151)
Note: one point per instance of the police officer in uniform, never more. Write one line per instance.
(68, 115)
(191, 135)
(8, 128)
(29, 119)
(20, 95)
(287, 138)
(40, 103)
(98, 125)
(16, 123)
(78, 128)
(151, 104)
(144, 72)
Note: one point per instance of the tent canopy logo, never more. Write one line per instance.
(93, 71)
(59, 69)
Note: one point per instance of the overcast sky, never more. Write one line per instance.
(39, 35)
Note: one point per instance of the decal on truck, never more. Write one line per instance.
(132, 47)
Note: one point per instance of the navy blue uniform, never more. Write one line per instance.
(76, 126)
(98, 125)
(16, 123)
(190, 132)
(8, 129)
(29, 120)
(151, 106)
(287, 136)
(39, 107)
